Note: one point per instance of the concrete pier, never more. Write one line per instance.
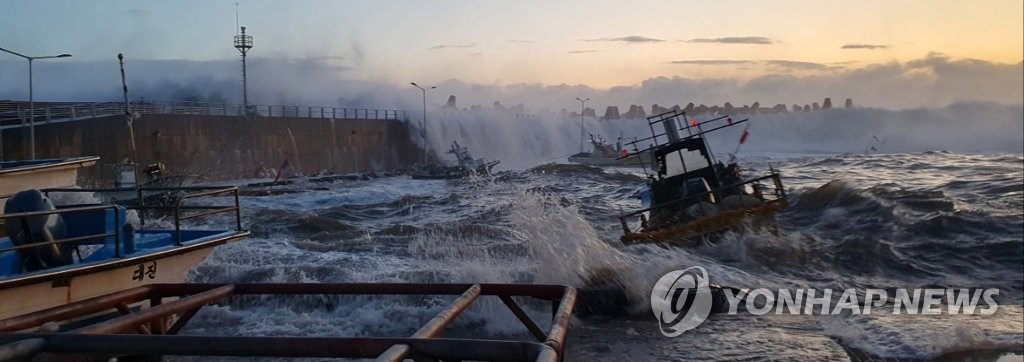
(225, 147)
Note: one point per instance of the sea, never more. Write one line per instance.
(878, 199)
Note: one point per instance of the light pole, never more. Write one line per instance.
(31, 100)
(582, 102)
(424, 124)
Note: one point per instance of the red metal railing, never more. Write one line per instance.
(151, 329)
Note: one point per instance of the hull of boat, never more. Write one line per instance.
(40, 291)
(696, 232)
(40, 174)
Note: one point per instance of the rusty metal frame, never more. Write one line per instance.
(164, 309)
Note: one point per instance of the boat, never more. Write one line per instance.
(690, 197)
(46, 173)
(467, 165)
(605, 154)
(152, 330)
(60, 254)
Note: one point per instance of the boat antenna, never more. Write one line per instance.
(130, 118)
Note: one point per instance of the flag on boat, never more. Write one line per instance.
(285, 171)
(743, 138)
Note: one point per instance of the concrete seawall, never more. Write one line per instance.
(225, 147)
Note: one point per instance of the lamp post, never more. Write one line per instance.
(424, 124)
(582, 102)
(31, 100)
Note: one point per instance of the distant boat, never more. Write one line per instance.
(605, 154)
(467, 166)
(56, 255)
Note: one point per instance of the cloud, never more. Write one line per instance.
(712, 62)
(583, 51)
(864, 46)
(519, 41)
(932, 81)
(796, 65)
(632, 39)
(454, 46)
(735, 40)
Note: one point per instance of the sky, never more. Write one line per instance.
(893, 53)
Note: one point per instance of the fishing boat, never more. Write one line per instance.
(689, 195)
(606, 154)
(58, 172)
(59, 254)
(467, 165)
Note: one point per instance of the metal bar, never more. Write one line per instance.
(121, 324)
(61, 241)
(182, 321)
(84, 307)
(527, 321)
(560, 324)
(211, 212)
(440, 348)
(22, 350)
(434, 327)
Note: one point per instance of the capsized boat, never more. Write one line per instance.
(467, 165)
(690, 196)
(606, 154)
(61, 254)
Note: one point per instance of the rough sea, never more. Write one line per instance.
(888, 218)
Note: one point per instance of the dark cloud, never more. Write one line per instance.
(864, 46)
(796, 65)
(712, 62)
(454, 46)
(632, 39)
(735, 40)
(583, 51)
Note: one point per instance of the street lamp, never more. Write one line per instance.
(424, 124)
(31, 100)
(582, 102)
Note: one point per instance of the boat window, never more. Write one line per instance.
(692, 159)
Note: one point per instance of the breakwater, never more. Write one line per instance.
(219, 147)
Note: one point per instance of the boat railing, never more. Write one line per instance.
(153, 329)
(178, 207)
(78, 240)
(777, 194)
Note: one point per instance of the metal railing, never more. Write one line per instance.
(153, 330)
(75, 240)
(177, 207)
(17, 114)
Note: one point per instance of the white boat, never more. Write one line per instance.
(58, 255)
(62, 172)
(605, 154)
